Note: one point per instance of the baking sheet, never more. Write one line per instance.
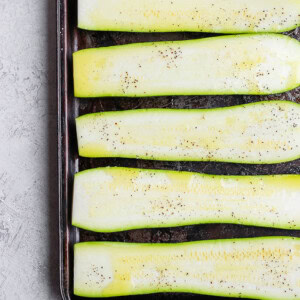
(71, 39)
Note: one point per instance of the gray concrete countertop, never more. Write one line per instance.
(28, 181)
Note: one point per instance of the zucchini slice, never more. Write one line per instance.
(230, 16)
(117, 199)
(260, 268)
(242, 64)
(263, 133)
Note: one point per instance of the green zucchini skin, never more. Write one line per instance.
(258, 268)
(258, 133)
(118, 199)
(231, 16)
(254, 64)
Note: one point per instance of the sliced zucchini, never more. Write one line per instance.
(242, 64)
(264, 132)
(117, 199)
(230, 16)
(260, 268)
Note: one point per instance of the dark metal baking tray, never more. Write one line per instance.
(71, 39)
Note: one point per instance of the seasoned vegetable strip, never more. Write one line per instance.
(230, 16)
(243, 64)
(260, 268)
(117, 199)
(264, 132)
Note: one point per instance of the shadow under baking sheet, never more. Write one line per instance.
(53, 217)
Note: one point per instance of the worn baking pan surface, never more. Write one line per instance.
(71, 39)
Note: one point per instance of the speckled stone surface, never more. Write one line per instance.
(28, 198)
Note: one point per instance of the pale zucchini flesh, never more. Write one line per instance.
(230, 16)
(118, 199)
(259, 268)
(257, 133)
(243, 64)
